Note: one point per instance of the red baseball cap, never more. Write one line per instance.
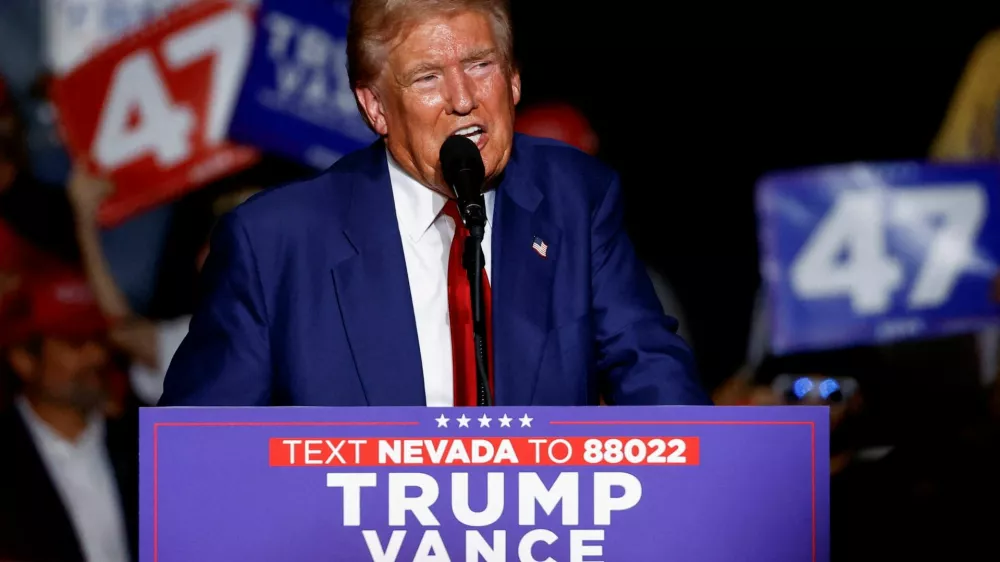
(53, 303)
(558, 121)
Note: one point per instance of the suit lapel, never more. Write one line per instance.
(522, 291)
(373, 292)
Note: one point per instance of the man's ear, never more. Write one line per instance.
(23, 362)
(515, 85)
(372, 109)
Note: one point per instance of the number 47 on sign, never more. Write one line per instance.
(940, 224)
(850, 251)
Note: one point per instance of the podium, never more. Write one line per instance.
(545, 484)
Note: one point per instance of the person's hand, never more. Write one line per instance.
(734, 390)
(87, 192)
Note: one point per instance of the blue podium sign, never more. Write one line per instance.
(296, 100)
(864, 254)
(542, 484)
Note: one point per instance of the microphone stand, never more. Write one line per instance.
(474, 261)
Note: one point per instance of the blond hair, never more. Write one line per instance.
(375, 23)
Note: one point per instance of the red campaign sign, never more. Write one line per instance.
(151, 112)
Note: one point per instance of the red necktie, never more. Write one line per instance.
(463, 352)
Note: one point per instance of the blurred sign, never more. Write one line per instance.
(864, 254)
(152, 110)
(297, 100)
(75, 28)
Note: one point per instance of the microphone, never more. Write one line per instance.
(463, 170)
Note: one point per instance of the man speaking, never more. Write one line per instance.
(352, 288)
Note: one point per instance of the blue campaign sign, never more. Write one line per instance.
(862, 254)
(296, 100)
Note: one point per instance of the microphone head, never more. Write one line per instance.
(462, 167)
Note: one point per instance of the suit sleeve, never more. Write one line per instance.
(224, 360)
(641, 359)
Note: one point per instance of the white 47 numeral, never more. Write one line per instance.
(163, 126)
(941, 223)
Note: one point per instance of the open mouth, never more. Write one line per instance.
(473, 133)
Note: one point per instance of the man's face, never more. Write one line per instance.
(443, 76)
(66, 373)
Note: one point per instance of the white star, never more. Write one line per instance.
(505, 421)
(526, 421)
(485, 421)
(442, 421)
(463, 421)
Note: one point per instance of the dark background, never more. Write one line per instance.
(693, 105)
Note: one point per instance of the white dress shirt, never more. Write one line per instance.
(427, 233)
(85, 481)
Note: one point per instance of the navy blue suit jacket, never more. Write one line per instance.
(307, 299)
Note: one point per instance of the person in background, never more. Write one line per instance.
(37, 217)
(560, 121)
(70, 475)
(12, 150)
(563, 122)
(13, 159)
(969, 134)
(10, 282)
(24, 237)
(969, 129)
(149, 344)
(905, 396)
(868, 484)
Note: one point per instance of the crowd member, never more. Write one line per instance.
(29, 213)
(21, 238)
(560, 121)
(150, 344)
(907, 395)
(69, 487)
(969, 129)
(969, 133)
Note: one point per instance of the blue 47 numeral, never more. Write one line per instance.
(943, 224)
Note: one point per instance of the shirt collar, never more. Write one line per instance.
(47, 437)
(417, 206)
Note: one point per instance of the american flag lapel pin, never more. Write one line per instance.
(539, 246)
